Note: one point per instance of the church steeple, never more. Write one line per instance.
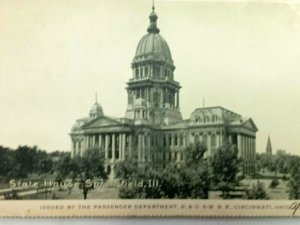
(269, 150)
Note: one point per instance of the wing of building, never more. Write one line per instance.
(153, 129)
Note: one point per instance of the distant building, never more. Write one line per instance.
(269, 150)
(153, 129)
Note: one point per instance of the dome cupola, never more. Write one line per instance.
(152, 45)
(96, 110)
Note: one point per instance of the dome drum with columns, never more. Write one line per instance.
(153, 130)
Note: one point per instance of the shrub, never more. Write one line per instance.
(274, 183)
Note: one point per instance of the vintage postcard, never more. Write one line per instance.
(149, 108)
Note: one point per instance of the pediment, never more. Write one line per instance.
(250, 125)
(101, 122)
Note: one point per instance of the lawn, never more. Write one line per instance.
(280, 192)
(76, 193)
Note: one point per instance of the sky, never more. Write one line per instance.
(56, 54)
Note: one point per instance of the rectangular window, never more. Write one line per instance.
(181, 140)
(165, 141)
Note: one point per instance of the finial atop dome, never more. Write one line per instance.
(96, 109)
(153, 18)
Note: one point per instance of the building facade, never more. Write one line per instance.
(153, 129)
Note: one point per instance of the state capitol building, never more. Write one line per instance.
(153, 129)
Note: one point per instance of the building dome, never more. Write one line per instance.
(96, 111)
(153, 46)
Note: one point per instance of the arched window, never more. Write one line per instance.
(156, 99)
(137, 74)
(142, 71)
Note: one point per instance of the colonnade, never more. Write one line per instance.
(246, 151)
(212, 140)
(169, 96)
(115, 145)
(152, 71)
(246, 147)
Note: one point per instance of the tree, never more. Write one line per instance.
(294, 184)
(7, 163)
(256, 192)
(225, 166)
(90, 166)
(191, 180)
(195, 174)
(24, 157)
(274, 183)
(130, 172)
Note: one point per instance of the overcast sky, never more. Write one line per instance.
(55, 54)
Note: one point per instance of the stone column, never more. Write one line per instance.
(239, 145)
(106, 146)
(74, 148)
(209, 144)
(77, 150)
(252, 149)
(217, 140)
(177, 98)
(139, 147)
(85, 142)
(149, 148)
(130, 146)
(221, 138)
(94, 140)
(113, 142)
(149, 94)
(100, 141)
(123, 145)
(82, 145)
(77, 146)
(243, 147)
(120, 146)
(143, 147)
(88, 141)
(249, 147)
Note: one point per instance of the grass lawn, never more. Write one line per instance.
(280, 192)
(76, 193)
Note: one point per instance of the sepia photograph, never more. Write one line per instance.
(150, 100)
